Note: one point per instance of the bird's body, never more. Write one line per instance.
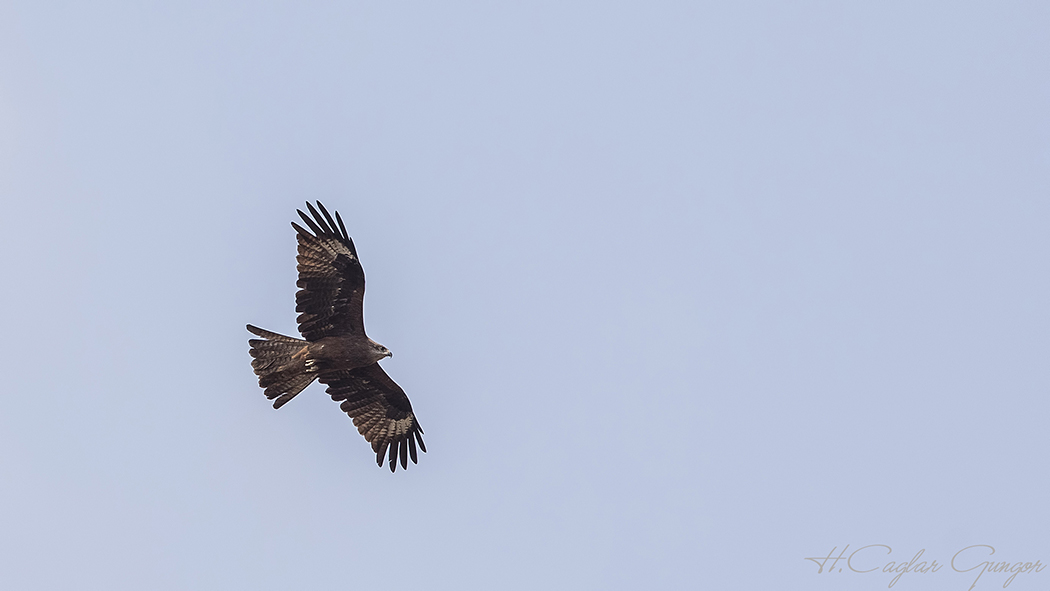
(339, 352)
(334, 348)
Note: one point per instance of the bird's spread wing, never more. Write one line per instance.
(380, 410)
(331, 280)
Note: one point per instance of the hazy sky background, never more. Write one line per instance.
(682, 293)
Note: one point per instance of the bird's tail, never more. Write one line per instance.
(280, 363)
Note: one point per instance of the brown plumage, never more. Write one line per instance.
(334, 349)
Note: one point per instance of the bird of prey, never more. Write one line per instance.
(334, 349)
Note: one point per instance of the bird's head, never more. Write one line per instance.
(379, 350)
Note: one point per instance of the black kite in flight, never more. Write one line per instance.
(336, 350)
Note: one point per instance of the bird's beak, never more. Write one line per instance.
(389, 353)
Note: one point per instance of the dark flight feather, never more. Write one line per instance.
(331, 281)
(380, 410)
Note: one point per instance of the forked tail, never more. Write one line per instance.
(280, 363)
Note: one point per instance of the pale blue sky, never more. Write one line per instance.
(682, 293)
